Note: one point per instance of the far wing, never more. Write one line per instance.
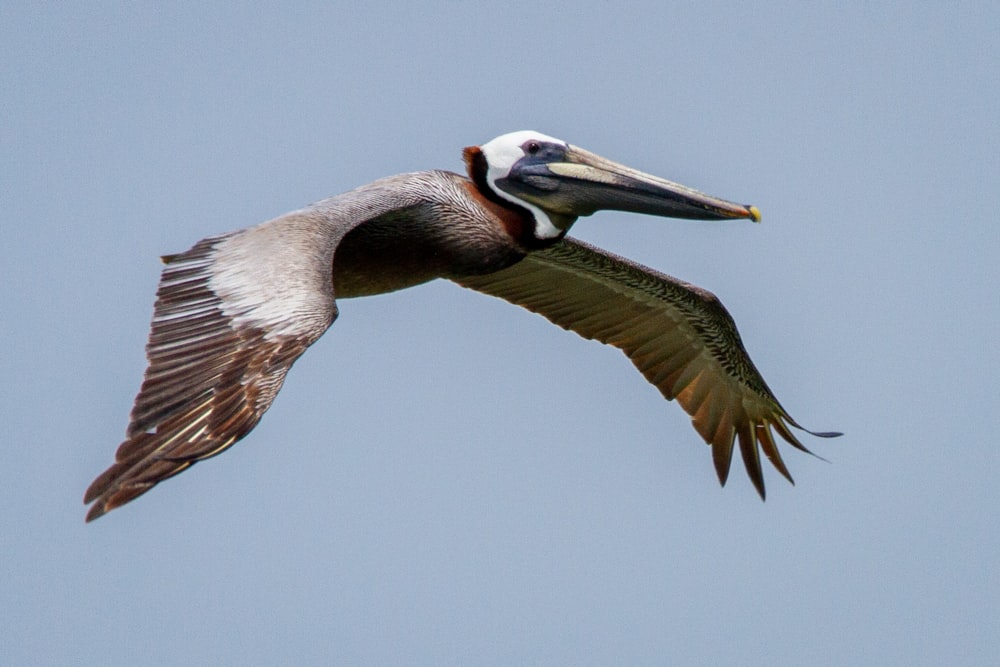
(232, 314)
(679, 336)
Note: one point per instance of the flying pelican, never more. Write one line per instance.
(234, 312)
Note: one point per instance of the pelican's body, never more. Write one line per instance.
(234, 312)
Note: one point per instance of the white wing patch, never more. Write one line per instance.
(271, 277)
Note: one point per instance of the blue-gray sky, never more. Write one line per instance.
(446, 478)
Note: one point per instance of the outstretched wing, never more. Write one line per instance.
(232, 314)
(679, 336)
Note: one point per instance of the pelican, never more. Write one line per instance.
(234, 312)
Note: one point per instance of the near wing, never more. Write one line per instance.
(225, 330)
(679, 336)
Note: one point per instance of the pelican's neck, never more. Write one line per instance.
(529, 225)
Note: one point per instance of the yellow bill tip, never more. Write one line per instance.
(754, 213)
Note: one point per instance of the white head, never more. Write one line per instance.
(502, 154)
(557, 183)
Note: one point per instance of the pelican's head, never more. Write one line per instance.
(558, 182)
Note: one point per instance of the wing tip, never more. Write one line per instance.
(96, 512)
(722, 458)
(754, 438)
(787, 435)
(115, 496)
(818, 434)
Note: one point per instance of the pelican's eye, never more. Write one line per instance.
(532, 148)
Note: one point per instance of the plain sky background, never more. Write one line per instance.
(446, 478)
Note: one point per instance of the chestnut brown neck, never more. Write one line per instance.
(517, 220)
